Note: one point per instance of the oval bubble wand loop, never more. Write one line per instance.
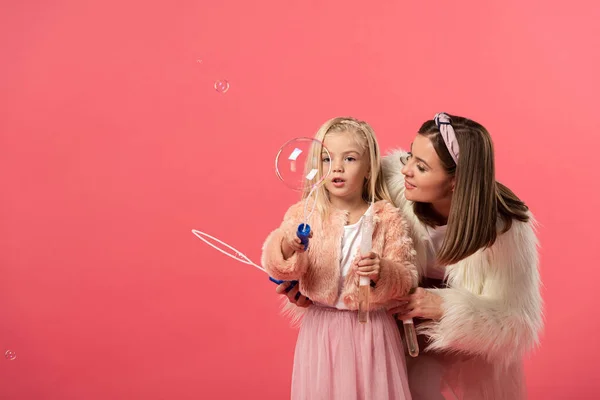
(239, 256)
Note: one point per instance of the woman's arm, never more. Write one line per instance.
(503, 321)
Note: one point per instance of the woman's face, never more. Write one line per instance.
(426, 181)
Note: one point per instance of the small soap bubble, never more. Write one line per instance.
(10, 355)
(222, 86)
(199, 61)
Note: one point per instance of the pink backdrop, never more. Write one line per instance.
(114, 145)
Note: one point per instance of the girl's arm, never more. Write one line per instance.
(398, 273)
(273, 260)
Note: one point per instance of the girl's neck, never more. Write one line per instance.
(355, 207)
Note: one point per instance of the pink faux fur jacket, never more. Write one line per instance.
(318, 269)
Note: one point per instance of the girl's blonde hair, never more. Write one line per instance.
(374, 188)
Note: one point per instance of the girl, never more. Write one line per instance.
(337, 357)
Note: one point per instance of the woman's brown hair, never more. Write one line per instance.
(478, 200)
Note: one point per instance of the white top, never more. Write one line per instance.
(436, 236)
(350, 247)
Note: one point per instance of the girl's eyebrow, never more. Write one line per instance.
(345, 152)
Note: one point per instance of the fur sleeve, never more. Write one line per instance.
(398, 271)
(391, 167)
(272, 259)
(503, 321)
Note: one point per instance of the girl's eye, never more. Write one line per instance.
(350, 159)
(326, 159)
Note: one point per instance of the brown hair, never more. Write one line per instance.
(478, 199)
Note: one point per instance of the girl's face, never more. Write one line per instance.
(425, 179)
(349, 166)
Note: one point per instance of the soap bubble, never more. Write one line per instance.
(10, 355)
(222, 86)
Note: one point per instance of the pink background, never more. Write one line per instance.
(114, 145)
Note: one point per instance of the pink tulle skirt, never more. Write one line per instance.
(338, 358)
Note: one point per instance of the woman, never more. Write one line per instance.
(479, 303)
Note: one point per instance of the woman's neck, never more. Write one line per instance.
(441, 210)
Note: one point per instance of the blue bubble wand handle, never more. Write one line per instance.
(303, 233)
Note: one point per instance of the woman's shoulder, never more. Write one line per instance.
(519, 242)
(518, 230)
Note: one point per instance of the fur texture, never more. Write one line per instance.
(318, 269)
(492, 307)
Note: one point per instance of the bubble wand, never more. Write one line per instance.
(302, 152)
(307, 179)
(364, 284)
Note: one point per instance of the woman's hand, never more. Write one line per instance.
(369, 265)
(301, 301)
(420, 304)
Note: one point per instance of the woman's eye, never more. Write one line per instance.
(421, 168)
(404, 159)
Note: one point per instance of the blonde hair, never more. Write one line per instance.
(374, 188)
(478, 200)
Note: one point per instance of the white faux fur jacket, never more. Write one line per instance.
(492, 309)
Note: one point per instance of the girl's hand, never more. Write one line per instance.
(291, 244)
(420, 304)
(369, 265)
(302, 301)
